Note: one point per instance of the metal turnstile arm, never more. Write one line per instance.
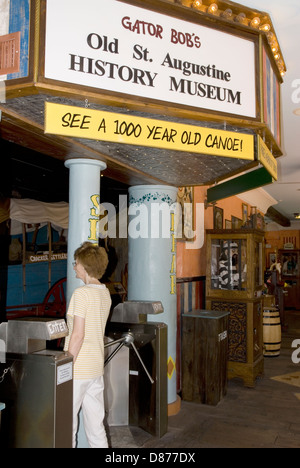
(141, 361)
(126, 340)
(114, 353)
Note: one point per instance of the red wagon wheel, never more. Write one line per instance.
(54, 304)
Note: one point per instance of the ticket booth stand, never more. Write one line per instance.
(36, 386)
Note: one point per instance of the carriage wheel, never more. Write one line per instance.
(54, 304)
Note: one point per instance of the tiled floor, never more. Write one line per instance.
(267, 416)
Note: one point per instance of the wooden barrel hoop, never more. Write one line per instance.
(271, 332)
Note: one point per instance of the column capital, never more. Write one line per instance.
(87, 162)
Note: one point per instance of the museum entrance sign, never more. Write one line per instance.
(117, 47)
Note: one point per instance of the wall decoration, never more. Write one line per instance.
(260, 222)
(15, 39)
(253, 217)
(218, 218)
(289, 263)
(244, 213)
(185, 222)
(236, 222)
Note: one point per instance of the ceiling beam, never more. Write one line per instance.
(277, 217)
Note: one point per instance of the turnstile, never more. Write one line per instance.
(144, 367)
(36, 386)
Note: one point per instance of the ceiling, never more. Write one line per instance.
(28, 174)
(139, 164)
(286, 20)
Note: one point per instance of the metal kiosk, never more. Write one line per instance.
(36, 386)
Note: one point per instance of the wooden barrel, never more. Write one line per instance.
(271, 332)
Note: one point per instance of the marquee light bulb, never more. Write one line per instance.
(265, 27)
(213, 8)
(240, 18)
(197, 3)
(255, 22)
(227, 13)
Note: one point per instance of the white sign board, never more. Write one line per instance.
(64, 373)
(113, 46)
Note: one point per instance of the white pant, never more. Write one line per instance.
(89, 395)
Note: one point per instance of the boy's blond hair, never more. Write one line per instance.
(93, 258)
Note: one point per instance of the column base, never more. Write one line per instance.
(174, 408)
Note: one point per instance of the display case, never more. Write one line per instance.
(235, 280)
(290, 275)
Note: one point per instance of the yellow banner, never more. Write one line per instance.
(119, 128)
(267, 159)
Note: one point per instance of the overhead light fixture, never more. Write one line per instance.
(297, 215)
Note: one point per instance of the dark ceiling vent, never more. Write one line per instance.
(10, 53)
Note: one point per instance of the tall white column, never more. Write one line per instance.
(152, 260)
(84, 210)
